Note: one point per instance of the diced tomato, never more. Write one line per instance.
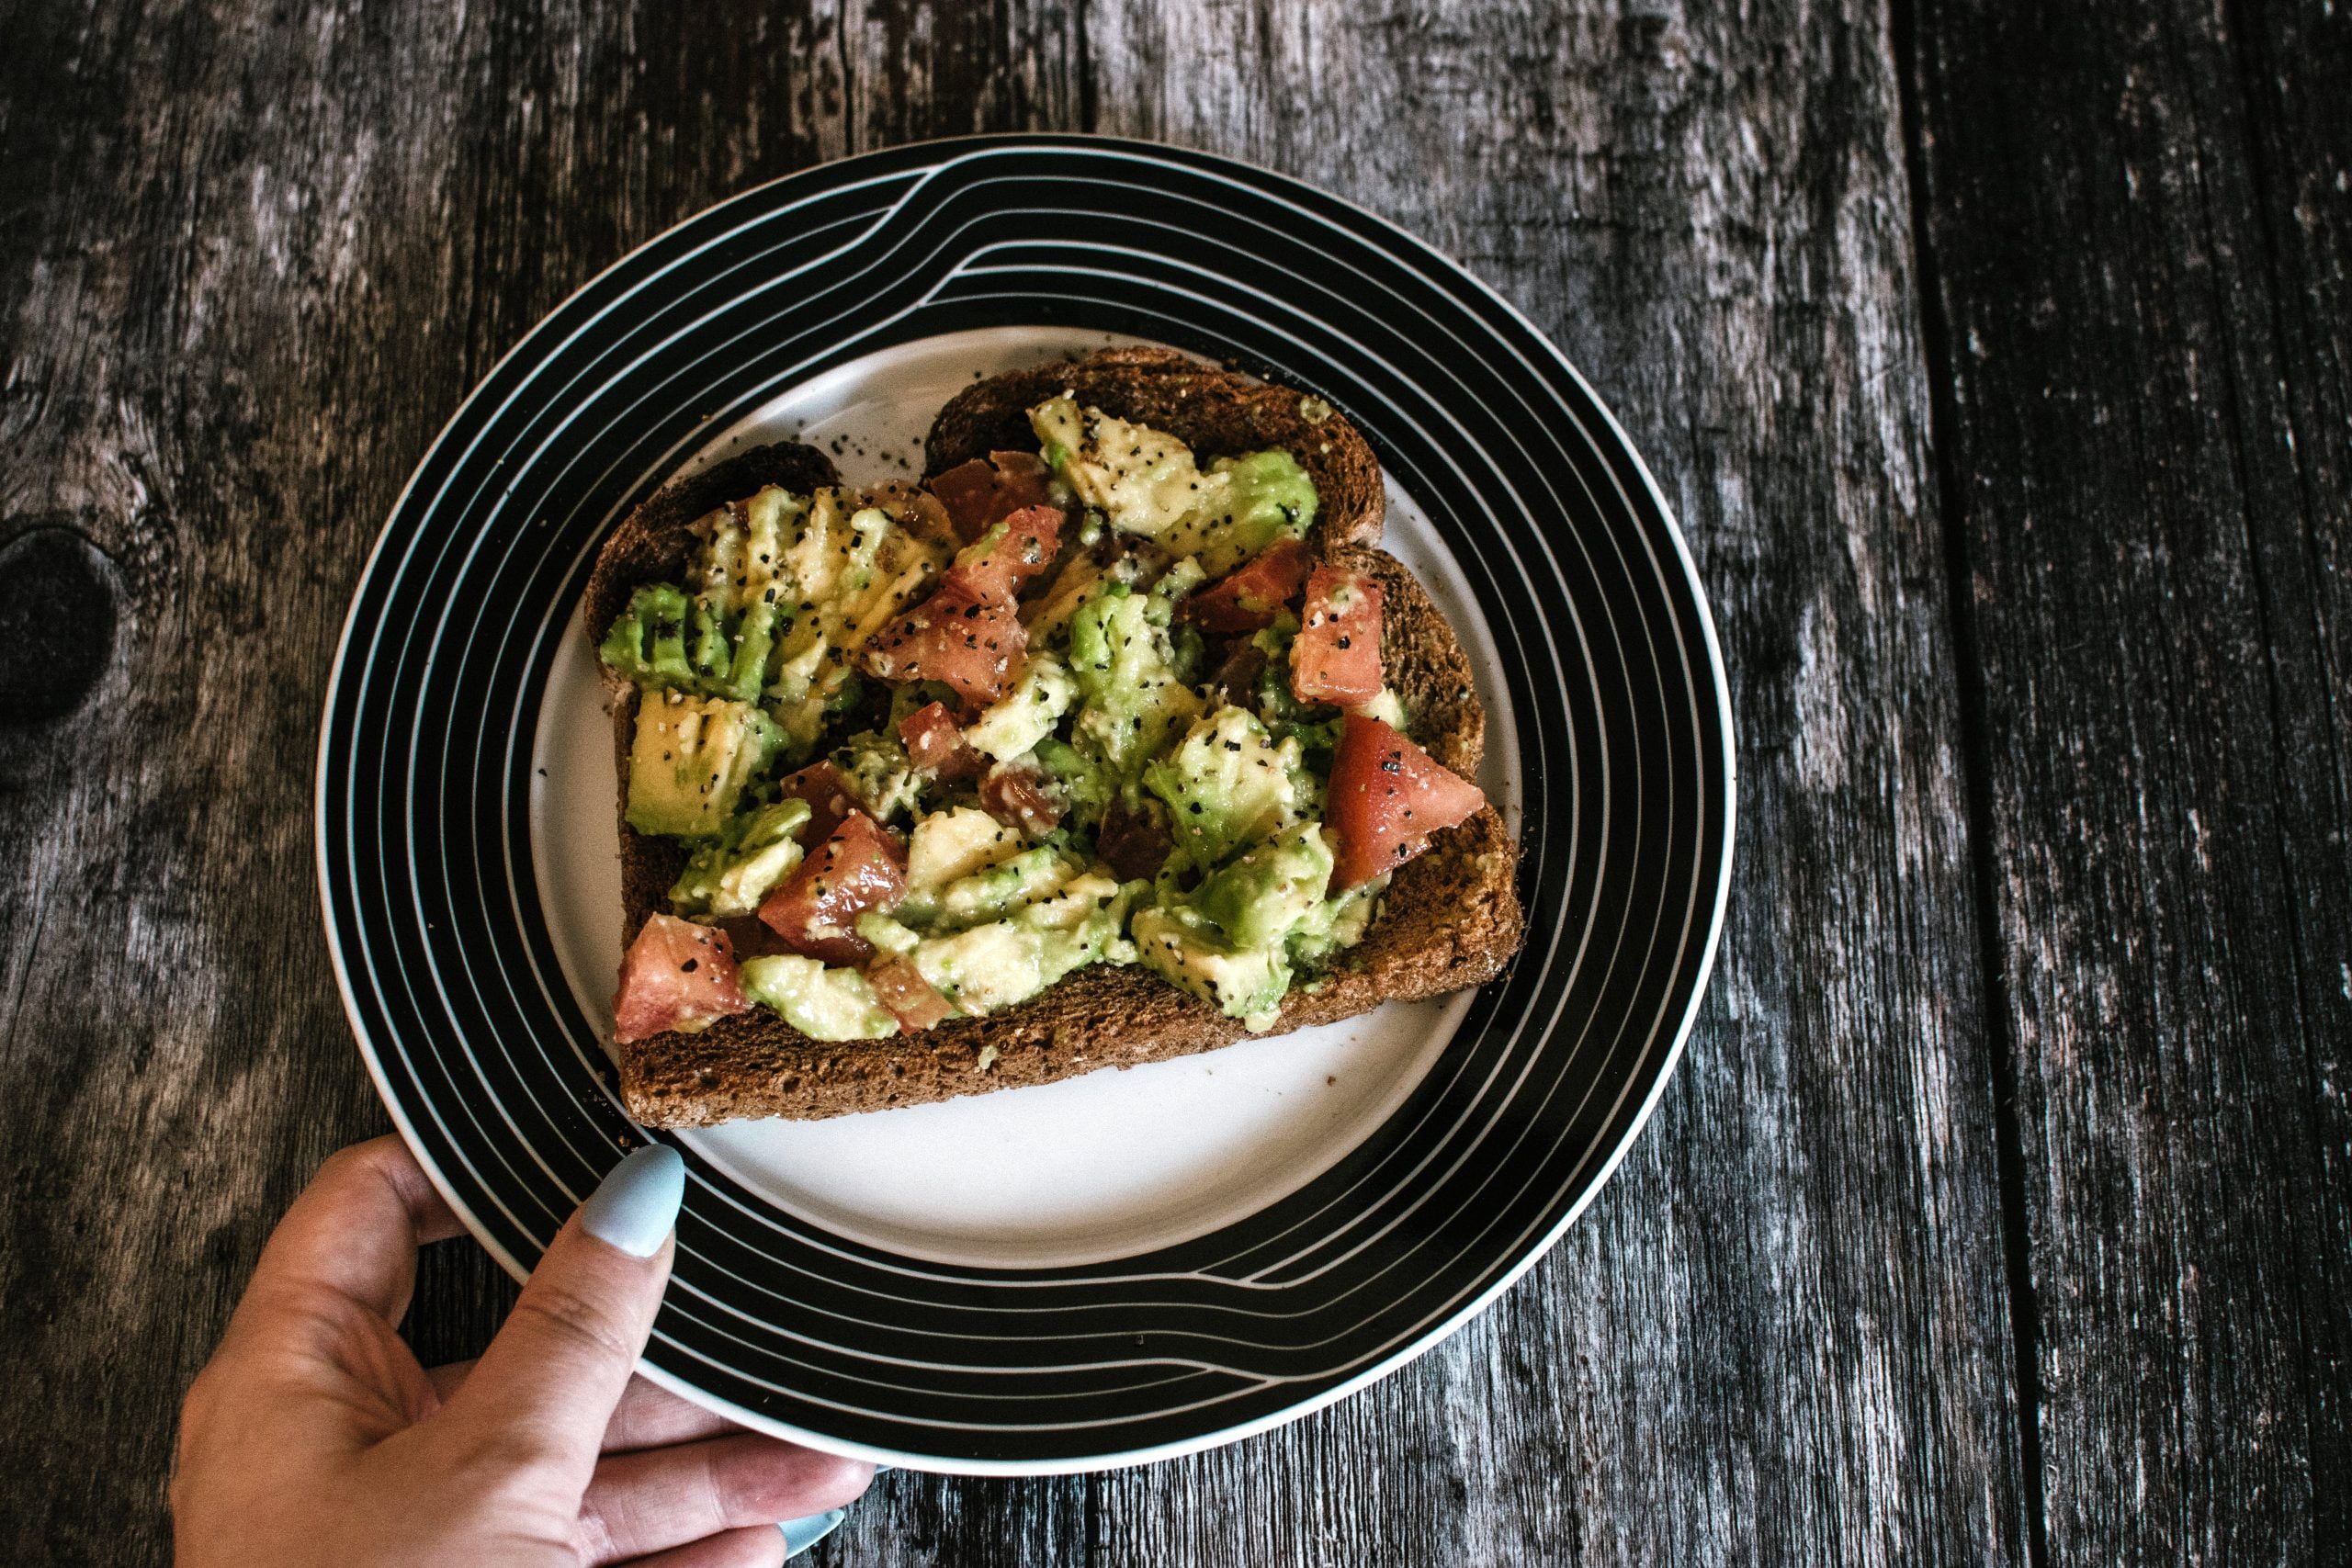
(1135, 844)
(967, 641)
(1337, 655)
(984, 492)
(829, 798)
(966, 490)
(816, 907)
(676, 976)
(1249, 598)
(997, 566)
(1386, 799)
(1017, 796)
(899, 986)
(935, 742)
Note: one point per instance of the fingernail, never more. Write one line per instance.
(800, 1535)
(635, 1205)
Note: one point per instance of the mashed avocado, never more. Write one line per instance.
(823, 1003)
(752, 854)
(1112, 740)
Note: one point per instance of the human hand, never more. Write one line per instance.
(314, 1437)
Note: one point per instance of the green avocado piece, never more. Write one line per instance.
(1026, 714)
(1230, 784)
(1264, 497)
(1124, 663)
(1143, 480)
(1334, 925)
(820, 1002)
(1181, 947)
(880, 774)
(1262, 896)
(989, 966)
(1085, 783)
(690, 760)
(647, 643)
(998, 891)
(754, 854)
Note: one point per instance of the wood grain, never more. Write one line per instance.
(2140, 232)
(1998, 1210)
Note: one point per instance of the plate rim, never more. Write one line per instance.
(893, 162)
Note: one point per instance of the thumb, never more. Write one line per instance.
(549, 1381)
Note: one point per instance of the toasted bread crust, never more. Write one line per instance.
(1450, 919)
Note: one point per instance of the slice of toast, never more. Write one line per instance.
(1450, 919)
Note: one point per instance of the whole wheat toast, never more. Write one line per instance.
(1450, 920)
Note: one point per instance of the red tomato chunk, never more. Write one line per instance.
(997, 566)
(935, 742)
(1337, 655)
(985, 492)
(967, 641)
(1248, 599)
(827, 793)
(676, 976)
(899, 986)
(1386, 797)
(816, 910)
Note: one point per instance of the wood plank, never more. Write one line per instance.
(1780, 1333)
(239, 303)
(2140, 233)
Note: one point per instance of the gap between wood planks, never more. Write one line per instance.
(1960, 574)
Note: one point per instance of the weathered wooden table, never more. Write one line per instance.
(1997, 359)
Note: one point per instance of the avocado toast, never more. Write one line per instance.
(1038, 769)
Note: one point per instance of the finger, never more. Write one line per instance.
(448, 1379)
(762, 1546)
(652, 1417)
(549, 1381)
(648, 1417)
(355, 1232)
(650, 1501)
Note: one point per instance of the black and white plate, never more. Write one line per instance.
(1126, 1266)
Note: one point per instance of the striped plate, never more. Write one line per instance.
(1123, 1266)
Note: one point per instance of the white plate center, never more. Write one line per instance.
(1107, 1166)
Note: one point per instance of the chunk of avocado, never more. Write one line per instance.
(1389, 709)
(647, 643)
(999, 889)
(1265, 496)
(1085, 783)
(742, 553)
(988, 967)
(839, 576)
(1263, 894)
(1025, 714)
(1183, 948)
(690, 760)
(1335, 925)
(1143, 480)
(1230, 784)
(720, 641)
(879, 771)
(823, 1003)
(1124, 663)
(949, 845)
(729, 876)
